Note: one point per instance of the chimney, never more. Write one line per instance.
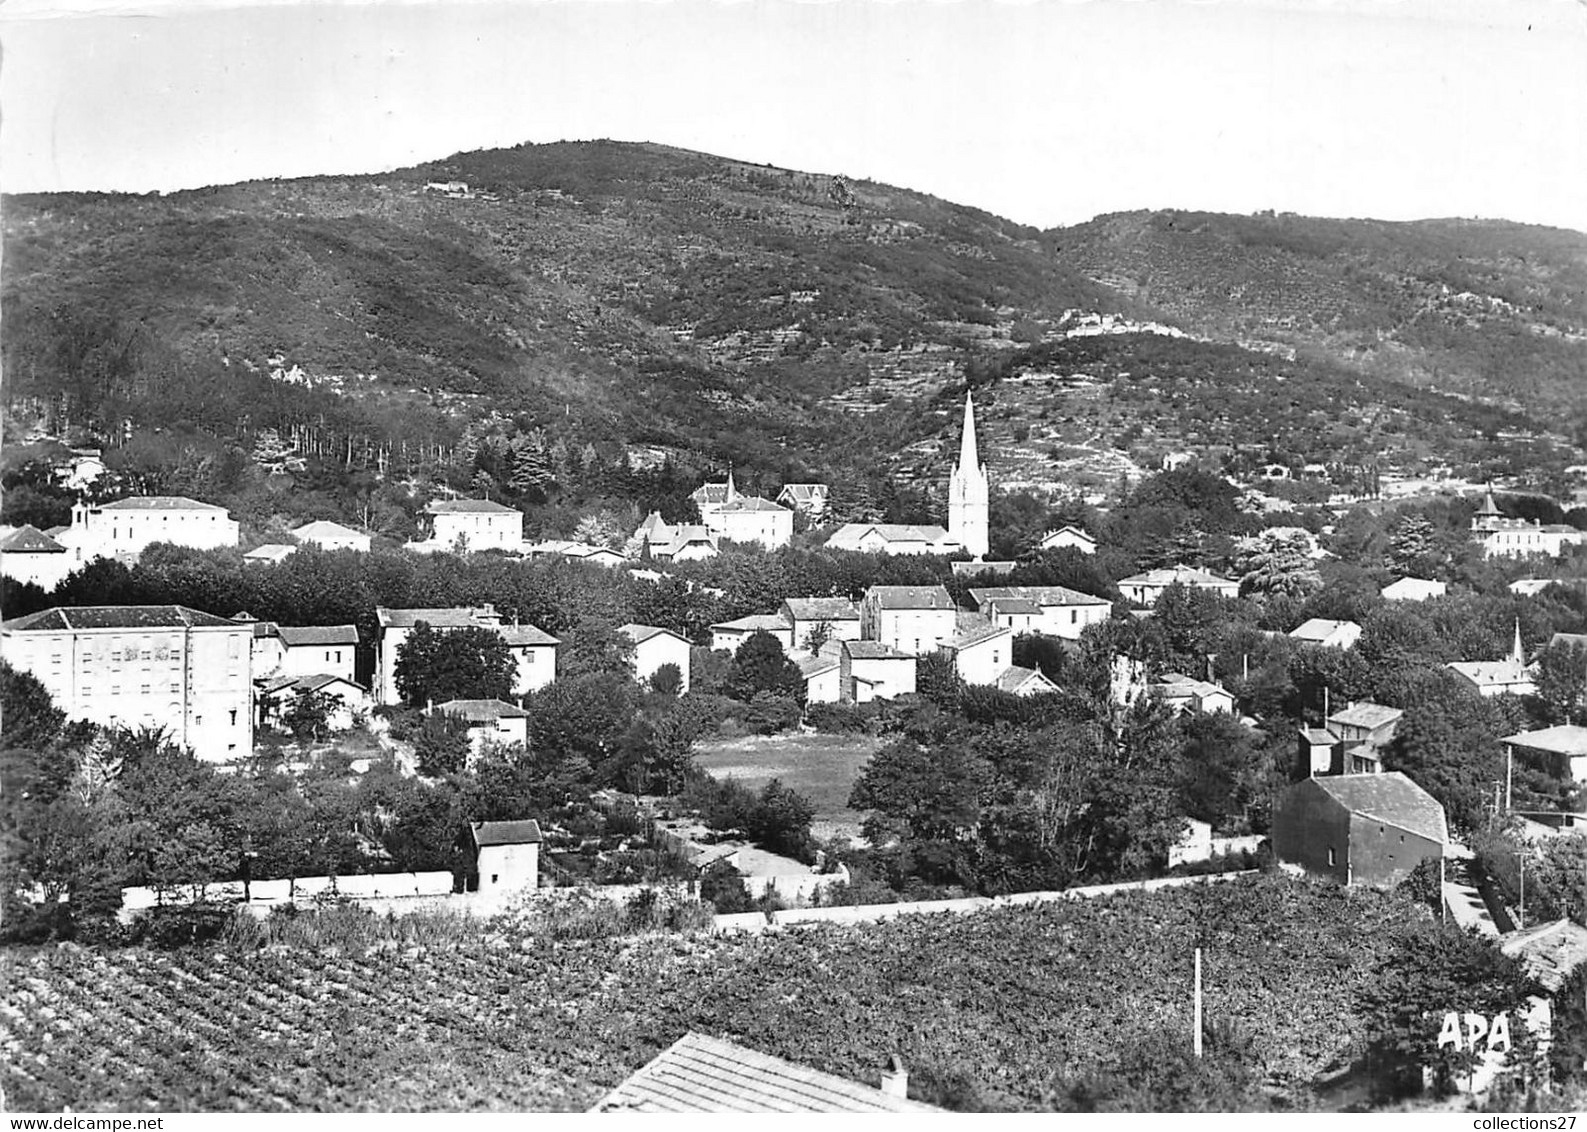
(895, 1078)
(429, 707)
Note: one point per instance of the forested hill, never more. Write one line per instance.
(527, 323)
(1478, 307)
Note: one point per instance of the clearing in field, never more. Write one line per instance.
(821, 767)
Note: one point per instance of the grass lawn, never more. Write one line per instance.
(821, 767)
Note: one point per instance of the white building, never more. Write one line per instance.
(127, 526)
(1186, 693)
(506, 855)
(1413, 589)
(655, 647)
(347, 698)
(29, 555)
(270, 554)
(1146, 588)
(1326, 634)
(472, 525)
(744, 518)
(837, 617)
(809, 498)
(1503, 537)
(823, 677)
(575, 552)
(1052, 611)
(491, 723)
(312, 650)
(1506, 676)
(981, 652)
(1022, 682)
(533, 650)
(730, 636)
(1068, 537)
(871, 670)
(682, 542)
(331, 536)
(893, 538)
(165, 666)
(969, 509)
(912, 619)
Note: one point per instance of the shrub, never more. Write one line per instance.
(841, 719)
(724, 889)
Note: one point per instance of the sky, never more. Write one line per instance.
(1044, 111)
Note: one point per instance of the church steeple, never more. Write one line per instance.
(1516, 652)
(968, 491)
(732, 492)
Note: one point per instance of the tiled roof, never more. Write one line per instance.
(525, 635)
(505, 832)
(481, 711)
(1573, 640)
(1566, 739)
(1013, 678)
(1044, 596)
(449, 617)
(324, 528)
(977, 635)
(1184, 575)
(1491, 672)
(271, 552)
(1011, 605)
(1390, 798)
(294, 636)
(910, 597)
(874, 650)
(1319, 736)
(1320, 629)
(639, 634)
(750, 503)
(811, 666)
(309, 683)
(1550, 953)
(822, 609)
(121, 617)
(159, 503)
(850, 534)
(469, 506)
(767, 622)
(701, 1074)
(1364, 714)
(28, 539)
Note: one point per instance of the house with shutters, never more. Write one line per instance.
(534, 651)
(1146, 588)
(835, 618)
(1053, 611)
(331, 536)
(125, 527)
(1370, 829)
(655, 647)
(144, 666)
(912, 619)
(30, 556)
(308, 650)
(471, 525)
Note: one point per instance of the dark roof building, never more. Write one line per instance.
(297, 636)
(117, 617)
(28, 539)
(505, 832)
(1359, 828)
(481, 711)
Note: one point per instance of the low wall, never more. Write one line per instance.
(875, 913)
(267, 893)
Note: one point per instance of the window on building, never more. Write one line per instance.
(115, 689)
(175, 688)
(198, 721)
(143, 689)
(1333, 858)
(231, 647)
(234, 717)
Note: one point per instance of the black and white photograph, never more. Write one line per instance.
(793, 556)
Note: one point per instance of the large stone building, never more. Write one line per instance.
(969, 506)
(163, 666)
(470, 525)
(29, 555)
(126, 526)
(912, 619)
(728, 513)
(1503, 537)
(1359, 828)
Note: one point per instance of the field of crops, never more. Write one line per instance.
(1026, 1008)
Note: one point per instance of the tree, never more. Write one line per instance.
(1277, 563)
(938, 680)
(309, 713)
(761, 666)
(1413, 547)
(595, 646)
(667, 680)
(458, 664)
(1562, 682)
(1449, 745)
(1217, 769)
(929, 798)
(440, 745)
(30, 716)
(780, 822)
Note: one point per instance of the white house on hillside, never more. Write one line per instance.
(29, 555)
(731, 635)
(331, 536)
(730, 514)
(1413, 589)
(1503, 537)
(1146, 588)
(472, 525)
(655, 647)
(533, 650)
(1327, 634)
(893, 538)
(981, 652)
(490, 723)
(1053, 611)
(127, 526)
(1065, 537)
(839, 616)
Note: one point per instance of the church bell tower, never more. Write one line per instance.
(968, 507)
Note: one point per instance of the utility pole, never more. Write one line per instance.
(1198, 1003)
(1521, 912)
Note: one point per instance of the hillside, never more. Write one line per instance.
(1485, 308)
(621, 304)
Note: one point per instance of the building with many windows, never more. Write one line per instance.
(126, 526)
(163, 666)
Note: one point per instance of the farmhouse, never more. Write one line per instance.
(1359, 828)
(332, 536)
(981, 653)
(711, 1075)
(912, 619)
(1145, 589)
(655, 647)
(144, 666)
(348, 699)
(506, 856)
(871, 670)
(892, 538)
(823, 677)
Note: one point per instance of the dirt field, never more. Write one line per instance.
(821, 767)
